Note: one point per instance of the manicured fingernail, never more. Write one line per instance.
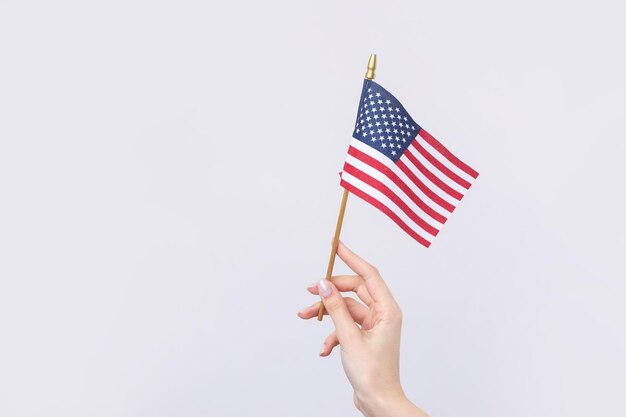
(323, 288)
(323, 348)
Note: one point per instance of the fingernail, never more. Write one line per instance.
(323, 288)
(323, 348)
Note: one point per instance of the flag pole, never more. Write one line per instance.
(371, 69)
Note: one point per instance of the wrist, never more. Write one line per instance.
(380, 404)
(387, 405)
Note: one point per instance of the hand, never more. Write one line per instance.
(368, 334)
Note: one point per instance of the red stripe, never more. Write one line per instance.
(374, 163)
(445, 152)
(432, 177)
(380, 206)
(355, 172)
(441, 167)
(443, 203)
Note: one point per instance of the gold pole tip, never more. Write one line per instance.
(371, 67)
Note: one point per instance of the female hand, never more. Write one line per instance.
(368, 334)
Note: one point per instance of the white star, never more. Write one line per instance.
(405, 119)
(380, 102)
(388, 101)
(397, 109)
(377, 94)
(381, 108)
(384, 116)
(368, 118)
(380, 131)
(369, 125)
(393, 152)
(383, 145)
(369, 90)
(374, 109)
(375, 116)
(364, 133)
(373, 139)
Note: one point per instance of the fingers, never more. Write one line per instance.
(352, 283)
(374, 283)
(347, 330)
(357, 310)
(310, 311)
(329, 343)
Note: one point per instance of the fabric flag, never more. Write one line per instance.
(398, 167)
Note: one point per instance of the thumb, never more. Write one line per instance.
(347, 330)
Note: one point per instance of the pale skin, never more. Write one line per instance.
(368, 333)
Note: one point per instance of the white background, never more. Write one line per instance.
(169, 187)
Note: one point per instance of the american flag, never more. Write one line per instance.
(398, 167)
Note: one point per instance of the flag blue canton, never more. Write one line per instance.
(383, 123)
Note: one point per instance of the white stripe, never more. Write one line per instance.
(434, 152)
(424, 179)
(435, 171)
(380, 197)
(383, 159)
(373, 172)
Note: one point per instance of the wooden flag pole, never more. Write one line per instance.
(371, 69)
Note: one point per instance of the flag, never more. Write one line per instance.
(401, 169)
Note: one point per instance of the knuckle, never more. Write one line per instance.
(349, 301)
(395, 315)
(333, 302)
(373, 271)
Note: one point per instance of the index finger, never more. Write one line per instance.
(374, 283)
